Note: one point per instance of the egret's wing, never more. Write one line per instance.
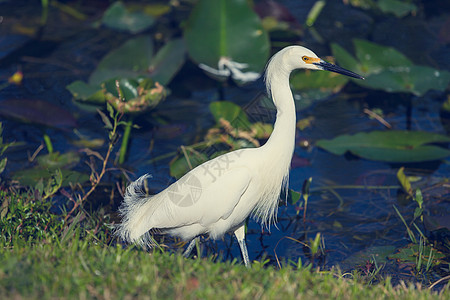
(220, 197)
(201, 199)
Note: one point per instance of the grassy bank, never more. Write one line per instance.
(45, 256)
(83, 269)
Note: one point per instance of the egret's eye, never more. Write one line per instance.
(305, 59)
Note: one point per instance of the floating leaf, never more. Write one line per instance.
(230, 112)
(227, 28)
(56, 160)
(317, 80)
(411, 252)
(374, 57)
(47, 166)
(181, 166)
(380, 253)
(396, 7)
(130, 60)
(390, 146)
(128, 88)
(29, 177)
(118, 17)
(37, 111)
(136, 96)
(315, 85)
(168, 61)
(387, 69)
(415, 79)
(345, 59)
(92, 94)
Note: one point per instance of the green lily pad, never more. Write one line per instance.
(415, 79)
(227, 28)
(390, 146)
(305, 80)
(133, 61)
(396, 7)
(230, 112)
(118, 17)
(380, 253)
(345, 59)
(315, 85)
(141, 78)
(387, 69)
(128, 88)
(181, 166)
(30, 177)
(410, 254)
(168, 61)
(130, 60)
(56, 160)
(136, 96)
(84, 92)
(46, 166)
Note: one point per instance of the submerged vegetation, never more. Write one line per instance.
(153, 87)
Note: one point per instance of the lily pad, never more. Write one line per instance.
(396, 7)
(410, 253)
(37, 111)
(136, 69)
(30, 177)
(230, 112)
(84, 92)
(136, 96)
(315, 85)
(415, 79)
(380, 253)
(117, 16)
(46, 166)
(130, 60)
(227, 29)
(56, 160)
(168, 61)
(181, 166)
(387, 69)
(390, 146)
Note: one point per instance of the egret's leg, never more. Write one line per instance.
(240, 236)
(189, 248)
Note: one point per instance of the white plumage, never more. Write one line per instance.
(219, 195)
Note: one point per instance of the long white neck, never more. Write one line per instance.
(279, 148)
(277, 151)
(282, 140)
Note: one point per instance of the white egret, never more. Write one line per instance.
(218, 196)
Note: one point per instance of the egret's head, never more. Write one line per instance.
(302, 58)
(298, 57)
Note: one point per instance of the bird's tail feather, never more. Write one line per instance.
(136, 211)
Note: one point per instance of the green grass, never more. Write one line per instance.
(82, 268)
(42, 258)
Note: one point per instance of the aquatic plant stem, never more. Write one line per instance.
(95, 177)
(125, 141)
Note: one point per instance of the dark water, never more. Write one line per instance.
(350, 219)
